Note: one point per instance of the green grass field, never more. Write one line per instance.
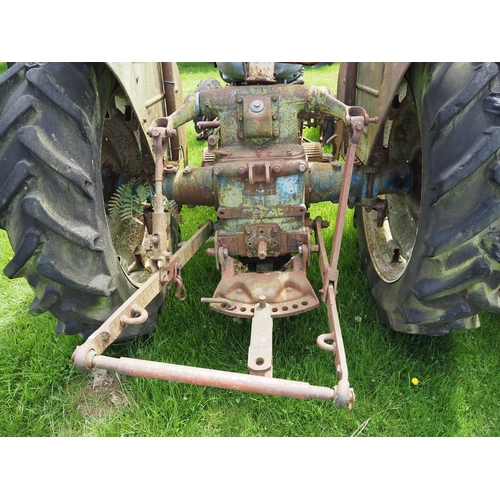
(42, 394)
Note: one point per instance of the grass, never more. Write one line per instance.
(42, 394)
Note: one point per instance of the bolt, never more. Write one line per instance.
(242, 170)
(275, 229)
(217, 171)
(256, 106)
(277, 169)
(262, 301)
(302, 168)
(276, 133)
(359, 126)
(105, 335)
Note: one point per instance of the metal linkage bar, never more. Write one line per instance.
(357, 125)
(135, 306)
(344, 395)
(213, 378)
(112, 328)
(260, 352)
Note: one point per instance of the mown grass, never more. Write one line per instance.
(42, 394)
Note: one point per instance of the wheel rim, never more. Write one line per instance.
(121, 162)
(391, 246)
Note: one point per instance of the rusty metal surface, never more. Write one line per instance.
(287, 292)
(376, 86)
(190, 247)
(213, 378)
(260, 351)
(159, 216)
(265, 239)
(260, 72)
(259, 178)
(357, 127)
(344, 394)
(168, 73)
(323, 180)
(111, 329)
(346, 87)
(260, 173)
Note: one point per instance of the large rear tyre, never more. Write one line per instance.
(435, 262)
(63, 144)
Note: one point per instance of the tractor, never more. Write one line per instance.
(94, 171)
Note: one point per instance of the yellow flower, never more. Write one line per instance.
(415, 381)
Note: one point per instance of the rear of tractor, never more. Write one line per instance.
(415, 152)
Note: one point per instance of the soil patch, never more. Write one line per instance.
(102, 392)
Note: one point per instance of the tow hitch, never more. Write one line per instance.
(260, 181)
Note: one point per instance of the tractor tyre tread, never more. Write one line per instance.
(51, 202)
(454, 270)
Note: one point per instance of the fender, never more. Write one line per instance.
(153, 89)
(373, 86)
